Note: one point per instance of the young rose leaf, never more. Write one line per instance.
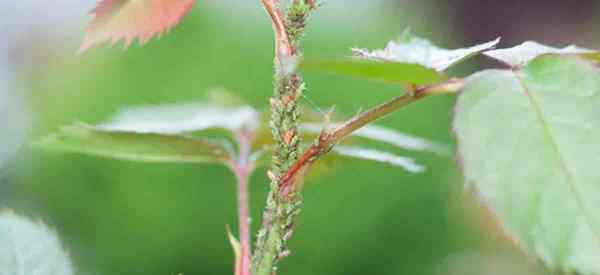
(528, 140)
(407, 164)
(391, 72)
(30, 248)
(386, 135)
(184, 118)
(128, 20)
(521, 54)
(416, 50)
(135, 146)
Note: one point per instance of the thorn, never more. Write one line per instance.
(327, 122)
(412, 89)
(359, 111)
(329, 114)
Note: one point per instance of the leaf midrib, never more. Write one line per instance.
(562, 162)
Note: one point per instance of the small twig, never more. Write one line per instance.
(282, 42)
(242, 176)
(327, 139)
(242, 168)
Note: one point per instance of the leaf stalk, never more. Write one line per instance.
(328, 139)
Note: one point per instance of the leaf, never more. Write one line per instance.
(128, 20)
(133, 146)
(385, 135)
(528, 140)
(184, 118)
(521, 54)
(415, 50)
(483, 263)
(392, 72)
(380, 156)
(30, 248)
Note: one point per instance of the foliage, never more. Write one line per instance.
(185, 134)
(524, 53)
(526, 135)
(30, 248)
(528, 146)
(415, 50)
(133, 19)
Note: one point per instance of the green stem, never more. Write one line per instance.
(280, 211)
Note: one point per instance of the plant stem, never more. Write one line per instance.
(280, 211)
(327, 140)
(243, 170)
(393, 105)
(243, 220)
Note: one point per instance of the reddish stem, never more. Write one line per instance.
(242, 176)
(282, 42)
(303, 161)
(310, 155)
(243, 170)
(328, 139)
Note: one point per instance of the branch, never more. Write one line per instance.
(327, 140)
(243, 169)
(279, 214)
(242, 175)
(283, 47)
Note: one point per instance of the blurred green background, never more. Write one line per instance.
(358, 218)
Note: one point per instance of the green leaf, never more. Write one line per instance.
(184, 118)
(406, 163)
(521, 54)
(133, 146)
(416, 50)
(391, 72)
(30, 248)
(529, 144)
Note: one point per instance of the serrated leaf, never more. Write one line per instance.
(528, 140)
(391, 72)
(133, 146)
(386, 135)
(183, 118)
(129, 20)
(416, 50)
(521, 54)
(30, 248)
(406, 163)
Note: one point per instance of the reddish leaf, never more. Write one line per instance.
(133, 19)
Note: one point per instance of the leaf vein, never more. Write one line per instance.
(562, 162)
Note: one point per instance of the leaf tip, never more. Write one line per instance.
(116, 20)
